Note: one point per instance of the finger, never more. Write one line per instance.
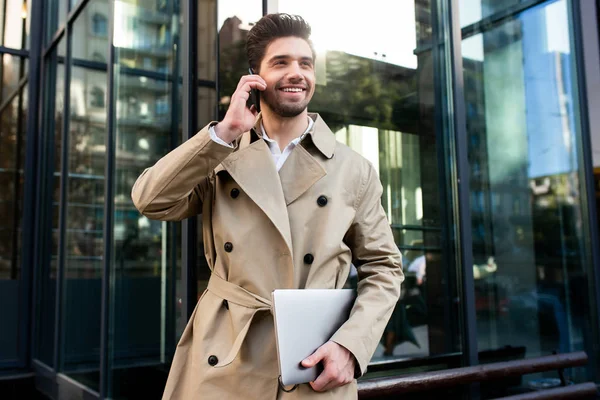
(315, 357)
(250, 78)
(253, 110)
(323, 381)
(252, 85)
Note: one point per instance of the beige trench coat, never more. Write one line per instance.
(264, 230)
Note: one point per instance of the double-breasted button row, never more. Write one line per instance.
(228, 247)
(213, 360)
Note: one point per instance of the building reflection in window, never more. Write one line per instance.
(526, 204)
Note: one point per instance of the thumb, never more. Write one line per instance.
(314, 358)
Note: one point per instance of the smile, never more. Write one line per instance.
(293, 90)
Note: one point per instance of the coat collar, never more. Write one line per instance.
(320, 134)
(252, 167)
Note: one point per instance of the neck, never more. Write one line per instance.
(284, 130)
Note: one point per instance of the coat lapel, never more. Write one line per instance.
(302, 170)
(299, 172)
(252, 167)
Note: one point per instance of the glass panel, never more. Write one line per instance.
(12, 163)
(235, 18)
(15, 24)
(13, 68)
(84, 249)
(375, 90)
(472, 11)
(56, 15)
(531, 275)
(90, 33)
(52, 132)
(207, 29)
(144, 34)
(146, 258)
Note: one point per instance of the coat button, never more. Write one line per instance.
(235, 192)
(213, 360)
(322, 201)
(226, 304)
(228, 247)
(309, 258)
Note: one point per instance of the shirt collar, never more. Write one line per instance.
(321, 135)
(295, 141)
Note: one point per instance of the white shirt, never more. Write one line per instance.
(279, 156)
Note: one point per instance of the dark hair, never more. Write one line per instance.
(271, 27)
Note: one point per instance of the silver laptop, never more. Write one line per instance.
(305, 319)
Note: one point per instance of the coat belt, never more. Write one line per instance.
(240, 296)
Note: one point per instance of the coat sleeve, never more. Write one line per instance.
(379, 265)
(174, 188)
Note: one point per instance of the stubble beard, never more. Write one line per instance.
(285, 109)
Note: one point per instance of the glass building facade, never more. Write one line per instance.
(478, 116)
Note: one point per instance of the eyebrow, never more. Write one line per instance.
(287, 56)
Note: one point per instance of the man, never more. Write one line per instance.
(283, 206)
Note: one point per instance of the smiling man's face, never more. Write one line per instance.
(288, 69)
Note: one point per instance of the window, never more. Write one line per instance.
(100, 25)
(97, 97)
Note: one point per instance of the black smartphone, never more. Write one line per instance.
(254, 95)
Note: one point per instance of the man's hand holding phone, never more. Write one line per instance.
(239, 118)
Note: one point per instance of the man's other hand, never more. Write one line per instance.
(338, 366)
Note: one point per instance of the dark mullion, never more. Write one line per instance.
(585, 41)
(498, 18)
(14, 52)
(72, 13)
(31, 192)
(62, 218)
(172, 227)
(55, 40)
(189, 227)
(109, 171)
(463, 196)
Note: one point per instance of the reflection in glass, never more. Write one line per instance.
(14, 23)
(206, 39)
(145, 260)
(90, 37)
(530, 271)
(12, 70)
(375, 91)
(82, 276)
(12, 162)
(472, 11)
(235, 18)
(56, 15)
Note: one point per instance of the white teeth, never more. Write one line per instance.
(292, 89)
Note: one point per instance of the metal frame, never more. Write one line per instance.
(189, 227)
(584, 17)
(107, 279)
(462, 198)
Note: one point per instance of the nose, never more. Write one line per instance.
(295, 72)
